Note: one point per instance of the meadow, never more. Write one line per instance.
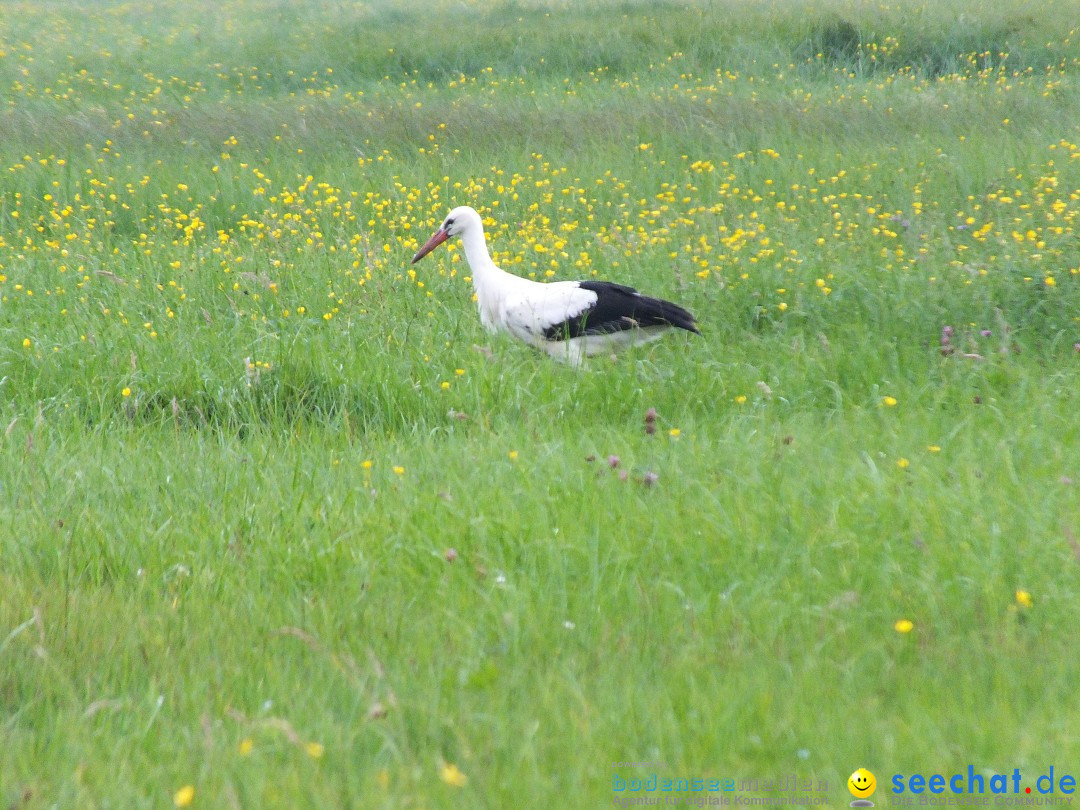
(282, 526)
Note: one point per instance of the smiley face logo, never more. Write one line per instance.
(862, 784)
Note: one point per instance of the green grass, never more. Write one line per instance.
(281, 523)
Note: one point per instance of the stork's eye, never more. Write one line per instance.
(447, 224)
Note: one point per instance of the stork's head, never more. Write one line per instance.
(461, 219)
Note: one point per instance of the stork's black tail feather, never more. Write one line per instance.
(655, 312)
(619, 307)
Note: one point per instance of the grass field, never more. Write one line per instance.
(282, 526)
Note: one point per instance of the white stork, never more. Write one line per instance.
(570, 320)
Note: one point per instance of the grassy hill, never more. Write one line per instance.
(282, 526)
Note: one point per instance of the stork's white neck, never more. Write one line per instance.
(476, 252)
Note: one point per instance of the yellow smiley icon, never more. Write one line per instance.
(862, 784)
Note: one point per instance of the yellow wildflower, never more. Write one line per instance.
(184, 796)
(903, 626)
(452, 775)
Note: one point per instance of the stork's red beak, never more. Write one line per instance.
(436, 239)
